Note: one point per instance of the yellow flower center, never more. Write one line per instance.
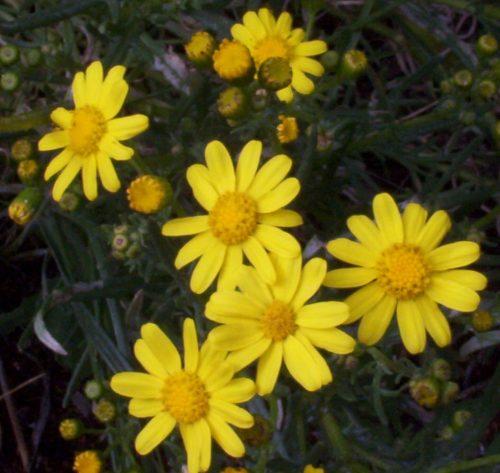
(88, 127)
(278, 321)
(233, 218)
(148, 194)
(185, 397)
(272, 46)
(403, 271)
(87, 462)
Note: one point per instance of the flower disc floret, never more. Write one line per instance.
(87, 462)
(278, 321)
(232, 60)
(87, 130)
(270, 47)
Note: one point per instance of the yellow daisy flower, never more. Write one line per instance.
(201, 397)
(148, 194)
(267, 37)
(87, 462)
(273, 323)
(245, 207)
(403, 270)
(90, 134)
(288, 130)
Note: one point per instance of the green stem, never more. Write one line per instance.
(469, 464)
(489, 217)
(490, 11)
(24, 122)
(334, 434)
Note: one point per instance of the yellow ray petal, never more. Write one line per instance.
(288, 272)
(145, 407)
(54, 140)
(162, 347)
(232, 414)
(148, 360)
(301, 364)
(284, 24)
(78, 89)
(242, 34)
(280, 196)
(254, 25)
(66, 177)
(62, 118)
(137, 385)
(252, 285)
(248, 162)
(322, 314)
(306, 64)
(268, 368)
(363, 300)
(352, 252)
(220, 167)
(192, 446)
(388, 218)
(89, 177)
(350, 277)
(326, 374)
(282, 218)
(207, 268)
(366, 232)
(310, 48)
(193, 249)
(93, 83)
(311, 280)
(454, 255)
(111, 146)
(434, 231)
(267, 19)
(232, 304)
(452, 294)
(58, 162)
(190, 340)
(225, 436)
(107, 172)
(186, 226)
(230, 268)
(236, 391)
(434, 321)
(124, 128)
(411, 326)
(259, 259)
(414, 217)
(239, 359)
(204, 192)
(270, 175)
(286, 94)
(154, 432)
(301, 83)
(375, 322)
(277, 241)
(330, 339)
(471, 279)
(236, 336)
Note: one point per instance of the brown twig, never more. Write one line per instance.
(21, 386)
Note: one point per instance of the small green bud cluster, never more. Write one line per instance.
(125, 243)
(15, 62)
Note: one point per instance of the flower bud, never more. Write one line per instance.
(463, 78)
(275, 73)
(28, 171)
(32, 57)
(441, 369)
(486, 45)
(487, 89)
(200, 49)
(425, 391)
(288, 130)
(446, 86)
(9, 81)
(22, 149)
(120, 242)
(482, 320)
(353, 64)
(446, 433)
(330, 60)
(149, 194)
(232, 103)
(121, 229)
(104, 410)
(24, 205)
(93, 389)
(449, 392)
(232, 62)
(70, 201)
(9, 54)
(260, 99)
(259, 434)
(88, 461)
(460, 417)
(71, 429)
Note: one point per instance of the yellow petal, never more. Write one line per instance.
(204, 192)
(232, 414)
(325, 373)
(434, 321)
(350, 277)
(238, 390)
(248, 162)
(414, 217)
(228, 277)
(154, 432)
(330, 339)
(252, 285)
(352, 252)
(366, 232)
(236, 336)
(124, 128)
(78, 89)
(286, 94)
(363, 300)
(268, 368)
(225, 435)
(107, 172)
(270, 175)
(148, 360)
(280, 196)
(205, 442)
(185, 226)
(301, 364)
(89, 177)
(267, 19)
(113, 93)
(471, 279)
(277, 241)
(259, 259)
(296, 36)
(137, 385)
(145, 407)
(454, 255)
(207, 268)
(62, 118)
(239, 359)
(434, 231)
(193, 249)
(311, 280)
(288, 272)
(322, 314)
(375, 322)
(192, 446)
(231, 304)
(452, 294)
(411, 326)
(162, 347)
(388, 218)
(93, 82)
(241, 34)
(220, 167)
(58, 162)
(54, 140)
(190, 340)
(310, 48)
(112, 147)
(282, 218)
(306, 64)
(254, 25)
(218, 377)
(66, 177)
(284, 24)
(301, 83)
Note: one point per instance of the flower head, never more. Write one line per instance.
(274, 323)
(267, 37)
(287, 130)
(403, 270)
(232, 60)
(90, 134)
(200, 48)
(200, 397)
(245, 207)
(312, 469)
(148, 194)
(87, 462)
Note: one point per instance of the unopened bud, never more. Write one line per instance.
(69, 201)
(120, 242)
(487, 89)
(28, 171)
(71, 429)
(463, 78)
(330, 60)
(9, 81)
(24, 205)
(353, 64)
(460, 418)
(32, 57)
(275, 73)
(149, 194)
(9, 54)
(482, 320)
(446, 433)
(232, 103)
(22, 149)
(93, 389)
(233, 62)
(441, 369)
(449, 392)
(260, 99)
(425, 391)
(104, 410)
(446, 86)
(486, 45)
(200, 49)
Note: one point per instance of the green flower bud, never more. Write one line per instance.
(260, 99)
(353, 64)
(32, 57)
(446, 433)
(22, 149)
(200, 49)
(104, 410)
(120, 242)
(449, 392)
(460, 418)
(9, 81)
(441, 369)
(463, 78)
(24, 205)
(259, 434)
(486, 45)
(69, 201)
(425, 391)
(482, 320)
(232, 103)
(93, 389)
(9, 54)
(121, 229)
(487, 89)
(330, 60)
(71, 429)
(275, 73)
(446, 86)
(28, 171)
(133, 250)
